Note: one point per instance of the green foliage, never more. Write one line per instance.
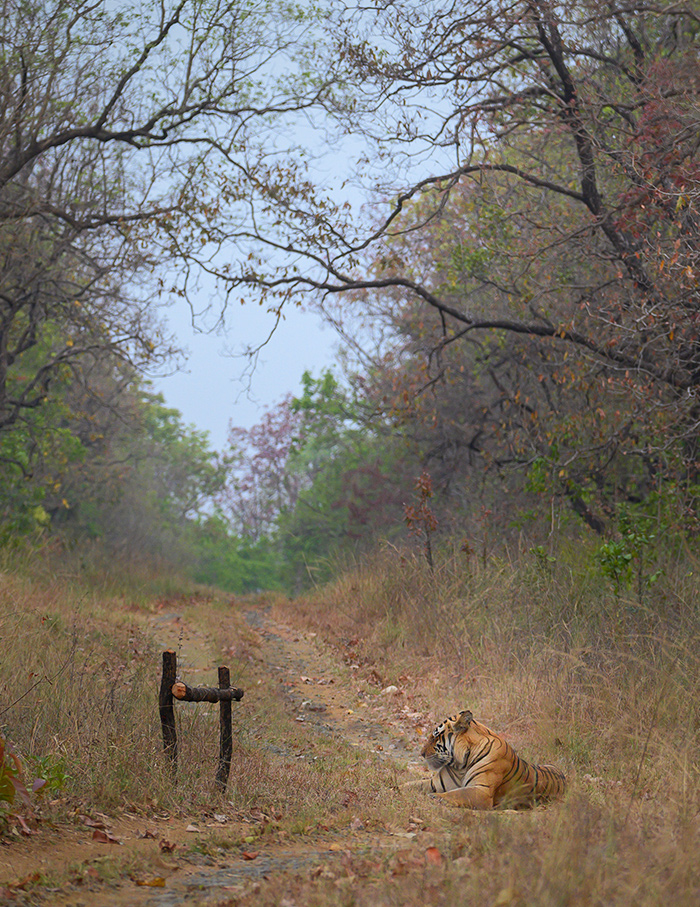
(538, 479)
(320, 476)
(615, 558)
(38, 450)
(13, 791)
(232, 563)
(354, 486)
(129, 472)
(632, 553)
(52, 769)
(28, 488)
(544, 561)
(181, 469)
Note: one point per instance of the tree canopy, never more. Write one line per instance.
(517, 291)
(115, 123)
(558, 144)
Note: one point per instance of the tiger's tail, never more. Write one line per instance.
(550, 783)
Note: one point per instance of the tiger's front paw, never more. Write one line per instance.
(417, 784)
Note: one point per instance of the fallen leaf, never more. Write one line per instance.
(92, 823)
(23, 827)
(158, 882)
(250, 854)
(21, 884)
(166, 846)
(104, 837)
(391, 690)
(146, 834)
(335, 846)
(192, 828)
(434, 857)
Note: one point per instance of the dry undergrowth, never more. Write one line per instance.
(603, 686)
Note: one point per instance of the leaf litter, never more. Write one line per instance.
(380, 730)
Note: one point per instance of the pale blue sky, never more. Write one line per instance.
(212, 390)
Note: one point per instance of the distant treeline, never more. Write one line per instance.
(517, 301)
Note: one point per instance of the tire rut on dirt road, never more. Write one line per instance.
(333, 698)
(325, 697)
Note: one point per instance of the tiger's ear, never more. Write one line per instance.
(463, 721)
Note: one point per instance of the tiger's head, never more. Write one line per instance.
(440, 750)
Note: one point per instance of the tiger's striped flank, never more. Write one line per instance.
(476, 768)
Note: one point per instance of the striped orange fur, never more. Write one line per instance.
(478, 769)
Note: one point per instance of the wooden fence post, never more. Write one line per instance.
(171, 688)
(225, 733)
(165, 703)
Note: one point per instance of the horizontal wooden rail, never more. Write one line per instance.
(224, 694)
(184, 693)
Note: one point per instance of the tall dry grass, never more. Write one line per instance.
(542, 648)
(79, 684)
(548, 651)
(79, 679)
(528, 642)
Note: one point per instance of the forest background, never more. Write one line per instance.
(491, 500)
(517, 292)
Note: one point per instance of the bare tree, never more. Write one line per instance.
(579, 123)
(115, 120)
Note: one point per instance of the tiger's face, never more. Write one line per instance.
(439, 750)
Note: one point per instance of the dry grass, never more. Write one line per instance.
(606, 686)
(574, 856)
(555, 654)
(78, 694)
(544, 651)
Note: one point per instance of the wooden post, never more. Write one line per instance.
(165, 703)
(225, 733)
(171, 689)
(204, 694)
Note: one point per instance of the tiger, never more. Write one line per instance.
(477, 769)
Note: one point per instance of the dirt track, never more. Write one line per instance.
(323, 693)
(326, 696)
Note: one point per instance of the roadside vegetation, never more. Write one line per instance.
(489, 501)
(546, 651)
